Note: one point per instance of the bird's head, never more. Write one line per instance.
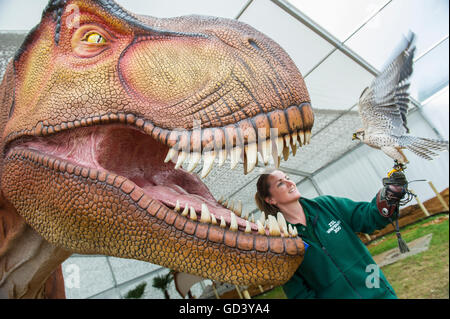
(358, 135)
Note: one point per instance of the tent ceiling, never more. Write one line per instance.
(338, 46)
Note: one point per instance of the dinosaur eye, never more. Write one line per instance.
(95, 38)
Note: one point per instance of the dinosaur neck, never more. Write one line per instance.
(29, 265)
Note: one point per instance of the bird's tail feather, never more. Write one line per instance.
(423, 147)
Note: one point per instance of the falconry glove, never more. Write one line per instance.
(389, 197)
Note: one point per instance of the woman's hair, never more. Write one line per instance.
(262, 192)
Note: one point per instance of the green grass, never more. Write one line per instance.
(424, 275)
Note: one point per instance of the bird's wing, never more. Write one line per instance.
(384, 104)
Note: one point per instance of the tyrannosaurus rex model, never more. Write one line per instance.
(97, 110)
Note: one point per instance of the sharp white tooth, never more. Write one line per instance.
(213, 219)
(308, 137)
(262, 218)
(266, 151)
(251, 152)
(245, 216)
(261, 229)
(294, 143)
(222, 157)
(295, 232)
(284, 232)
(194, 159)
(233, 222)
(177, 206)
(281, 221)
(235, 155)
(302, 137)
(205, 216)
(252, 219)
(182, 156)
(280, 145)
(294, 139)
(192, 214)
(291, 230)
(208, 162)
(222, 222)
(230, 204)
(185, 210)
(171, 154)
(238, 209)
(247, 227)
(274, 229)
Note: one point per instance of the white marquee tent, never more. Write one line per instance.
(339, 46)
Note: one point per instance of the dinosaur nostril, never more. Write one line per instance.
(254, 44)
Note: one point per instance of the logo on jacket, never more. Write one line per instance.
(335, 226)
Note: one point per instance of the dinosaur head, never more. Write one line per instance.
(100, 108)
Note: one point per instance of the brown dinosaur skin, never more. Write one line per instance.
(133, 97)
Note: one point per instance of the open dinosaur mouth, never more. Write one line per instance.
(153, 161)
(125, 151)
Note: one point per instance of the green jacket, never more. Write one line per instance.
(336, 263)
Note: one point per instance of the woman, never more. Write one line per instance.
(336, 263)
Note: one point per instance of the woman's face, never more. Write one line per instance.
(282, 189)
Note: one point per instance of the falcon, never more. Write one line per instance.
(383, 107)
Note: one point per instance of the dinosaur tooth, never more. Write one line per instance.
(266, 151)
(185, 210)
(294, 141)
(170, 154)
(177, 206)
(261, 229)
(208, 162)
(251, 155)
(194, 159)
(205, 216)
(308, 137)
(262, 218)
(280, 146)
(291, 231)
(301, 138)
(245, 216)
(252, 219)
(233, 222)
(281, 221)
(274, 229)
(192, 214)
(230, 204)
(222, 222)
(222, 156)
(182, 156)
(235, 155)
(213, 219)
(238, 208)
(295, 231)
(248, 229)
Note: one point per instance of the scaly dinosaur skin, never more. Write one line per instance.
(90, 106)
